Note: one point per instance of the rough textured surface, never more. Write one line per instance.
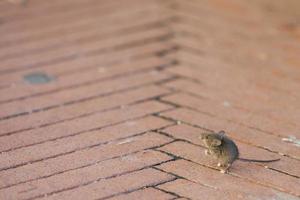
(133, 84)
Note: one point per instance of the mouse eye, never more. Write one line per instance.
(204, 136)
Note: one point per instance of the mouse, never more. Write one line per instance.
(224, 150)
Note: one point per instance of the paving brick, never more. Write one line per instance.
(97, 121)
(86, 63)
(240, 34)
(230, 184)
(258, 55)
(286, 164)
(15, 11)
(93, 122)
(71, 48)
(121, 23)
(259, 47)
(245, 170)
(213, 9)
(113, 13)
(232, 8)
(75, 94)
(199, 29)
(79, 109)
(279, 113)
(145, 194)
(116, 185)
(190, 57)
(81, 48)
(194, 190)
(239, 30)
(82, 140)
(254, 47)
(77, 159)
(64, 14)
(37, 8)
(107, 118)
(224, 110)
(208, 71)
(84, 175)
(268, 80)
(236, 131)
(81, 78)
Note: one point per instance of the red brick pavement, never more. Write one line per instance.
(133, 84)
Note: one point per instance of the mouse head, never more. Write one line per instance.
(212, 139)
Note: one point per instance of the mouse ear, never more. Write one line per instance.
(221, 133)
(216, 142)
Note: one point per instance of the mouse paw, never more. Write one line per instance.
(219, 164)
(223, 171)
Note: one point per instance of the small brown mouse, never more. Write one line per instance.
(224, 150)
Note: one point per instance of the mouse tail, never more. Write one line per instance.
(262, 161)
